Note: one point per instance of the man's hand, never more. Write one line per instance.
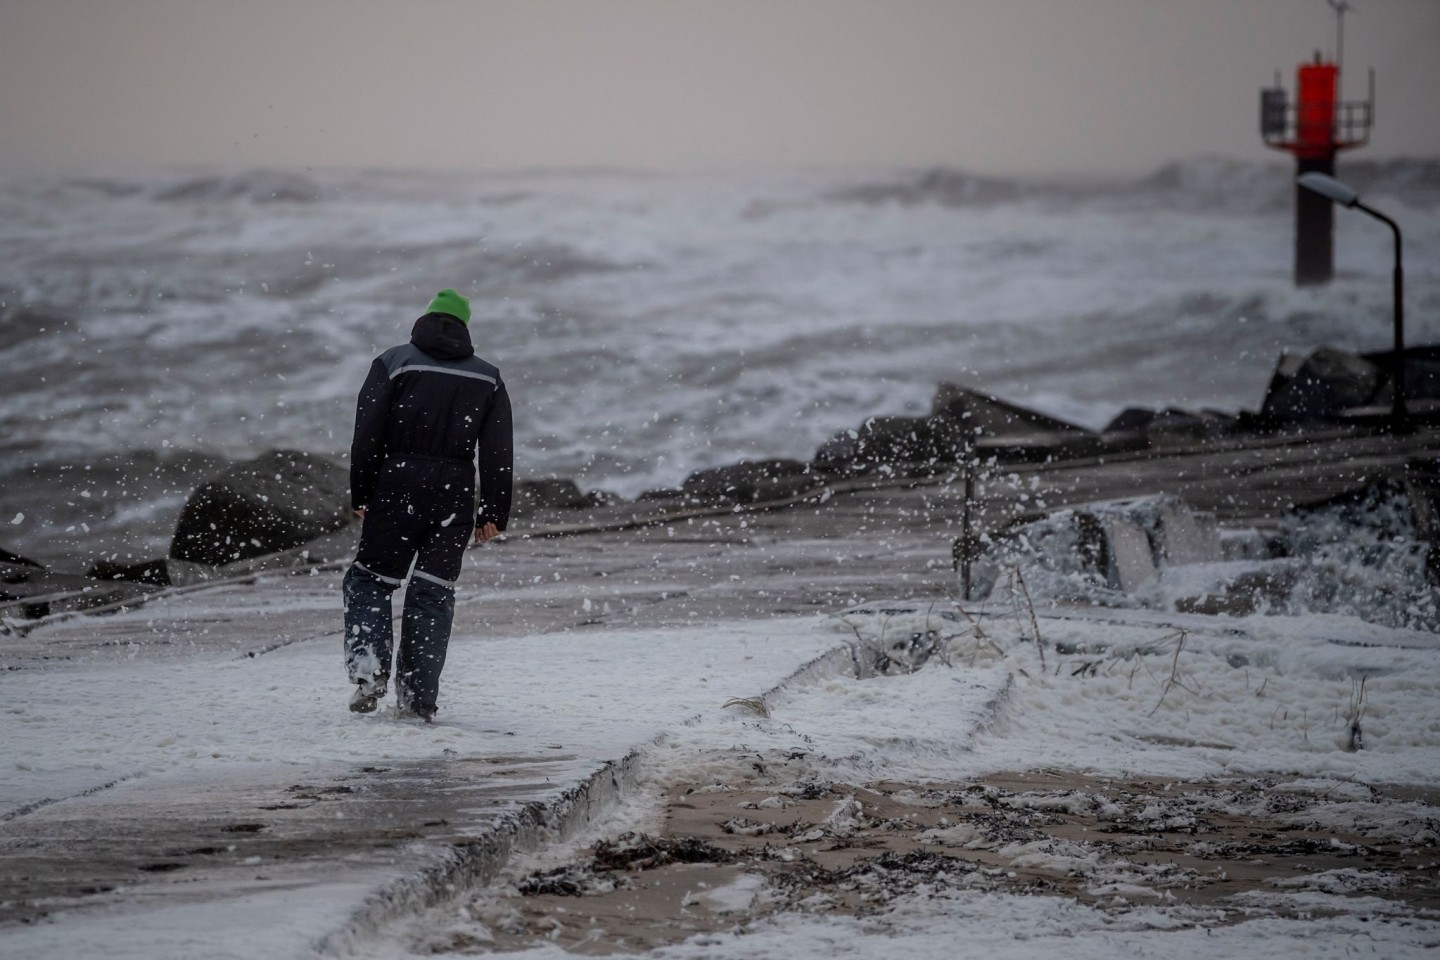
(487, 532)
(360, 512)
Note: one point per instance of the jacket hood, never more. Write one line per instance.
(442, 336)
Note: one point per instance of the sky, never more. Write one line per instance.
(1022, 87)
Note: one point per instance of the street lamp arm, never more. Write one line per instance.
(1341, 193)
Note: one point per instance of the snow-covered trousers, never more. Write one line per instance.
(423, 512)
(424, 634)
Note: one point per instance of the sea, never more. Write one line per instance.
(156, 326)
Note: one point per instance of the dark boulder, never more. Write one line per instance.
(280, 500)
(555, 493)
(903, 444)
(156, 572)
(960, 420)
(983, 414)
(21, 577)
(749, 481)
(1318, 387)
(1173, 426)
(1011, 432)
(1131, 420)
(15, 560)
(1422, 374)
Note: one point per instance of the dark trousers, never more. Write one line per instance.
(423, 513)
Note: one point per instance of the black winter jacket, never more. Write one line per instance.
(432, 398)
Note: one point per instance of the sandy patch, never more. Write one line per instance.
(1210, 853)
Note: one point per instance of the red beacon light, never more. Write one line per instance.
(1316, 127)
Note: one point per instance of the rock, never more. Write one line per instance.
(147, 571)
(1422, 374)
(981, 413)
(1131, 420)
(1012, 433)
(1319, 387)
(960, 421)
(161, 572)
(1172, 425)
(19, 576)
(280, 500)
(553, 493)
(749, 481)
(15, 560)
(895, 443)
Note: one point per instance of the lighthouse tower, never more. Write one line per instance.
(1316, 127)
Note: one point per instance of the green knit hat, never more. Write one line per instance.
(448, 301)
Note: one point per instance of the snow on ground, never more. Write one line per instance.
(73, 727)
(266, 924)
(1113, 693)
(1117, 695)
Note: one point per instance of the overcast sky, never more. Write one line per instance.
(1006, 86)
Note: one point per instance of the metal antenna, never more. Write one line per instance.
(1341, 7)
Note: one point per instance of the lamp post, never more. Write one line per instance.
(1334, 190)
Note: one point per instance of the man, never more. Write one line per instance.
(425, 409)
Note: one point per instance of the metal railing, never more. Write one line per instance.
(1349, 125)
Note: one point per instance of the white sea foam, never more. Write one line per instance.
(649, 326)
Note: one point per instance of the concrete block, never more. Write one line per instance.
(1130, 563)
(1183, 536)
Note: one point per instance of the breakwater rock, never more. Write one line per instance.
(275, 502)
